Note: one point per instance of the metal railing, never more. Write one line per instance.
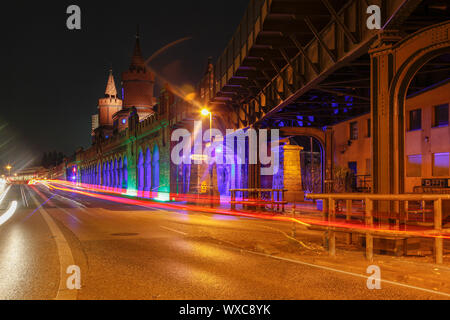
(364, 183)
(329, 214)
(256, 198)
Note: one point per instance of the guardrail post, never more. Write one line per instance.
(271, 200)
(278, 200)
(423, 210)
(438, 241)
(332, 236)
(325, 218)
(348, 218)
(259, 203)
(233, 200)
(369, 224)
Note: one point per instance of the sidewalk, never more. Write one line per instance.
(415, 269)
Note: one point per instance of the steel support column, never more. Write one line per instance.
(385, 142)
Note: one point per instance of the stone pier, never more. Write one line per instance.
(293, 173)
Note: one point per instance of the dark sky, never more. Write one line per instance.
(51, 77)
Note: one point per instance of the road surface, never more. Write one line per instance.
(133, 252)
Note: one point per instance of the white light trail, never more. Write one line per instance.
(3, 195)
(9, 213)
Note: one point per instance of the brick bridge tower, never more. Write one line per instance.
(138, 83)
(110, 104)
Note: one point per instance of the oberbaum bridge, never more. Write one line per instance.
(372, 103)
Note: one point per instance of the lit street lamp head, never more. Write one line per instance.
(205, 112)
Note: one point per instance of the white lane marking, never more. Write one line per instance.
(2, 197)
(24, 197)
(173, 230)
(80, 205)
(64, 254)
(9, 213)
(67, 212)
(343, 272)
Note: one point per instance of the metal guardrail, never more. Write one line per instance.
(329, 210)
(431, 190)
(256, 194)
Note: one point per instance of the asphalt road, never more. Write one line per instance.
(131, 252)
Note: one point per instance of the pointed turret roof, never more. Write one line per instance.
(111, 90)
(137, 61)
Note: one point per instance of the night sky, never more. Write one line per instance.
(52, 77)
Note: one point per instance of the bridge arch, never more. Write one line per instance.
(394, 68)
(148, 169)
(324, 137)
(140, 170)
(155, 169)
(116, 172)
(125, 173)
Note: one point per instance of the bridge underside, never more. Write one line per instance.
(308, 64)
(346, 92)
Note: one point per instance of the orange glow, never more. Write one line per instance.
(190, 97)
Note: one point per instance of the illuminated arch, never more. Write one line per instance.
(148, 170)
(125, 173)
(140, 171)
(155, 169)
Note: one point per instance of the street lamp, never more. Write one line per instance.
(205, 112)
(9, 167)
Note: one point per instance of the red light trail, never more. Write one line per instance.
(108, 194)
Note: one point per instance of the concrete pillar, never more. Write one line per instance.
(293, 173)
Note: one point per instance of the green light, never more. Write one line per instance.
(163, 197)
(131, 193)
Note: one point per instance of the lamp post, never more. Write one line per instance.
(9, 167)
(205, 112)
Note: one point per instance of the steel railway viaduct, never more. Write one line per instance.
(297, 65)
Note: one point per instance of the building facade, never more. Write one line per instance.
(427, 154)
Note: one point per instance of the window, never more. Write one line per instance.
(369, 129)
(354, 130)
(441, 163)
(415, 119)
(441, 115)
(414, 166)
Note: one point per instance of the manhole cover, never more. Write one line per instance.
(124, 234)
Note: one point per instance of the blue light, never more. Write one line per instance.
(124, 121)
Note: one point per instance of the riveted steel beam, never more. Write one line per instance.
(319, 39)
